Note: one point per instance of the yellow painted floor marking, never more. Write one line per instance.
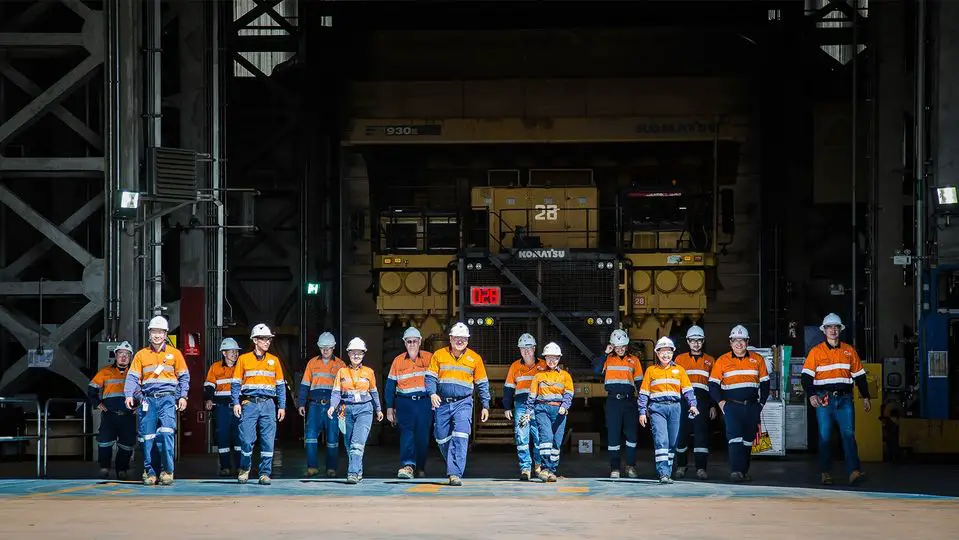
(68, 490)
(572, 489)
(424, 488)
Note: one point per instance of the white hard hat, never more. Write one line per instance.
(356, 344)
(326, 340)
(831, 320)
(526, 340)
(739, 332)
(412, 333)
(159, 323)
(619, 338)
(552, 349)
(229, 344)
(261, 330)
(124, 346)
(695, 332)
(664, 343)
(460, 330)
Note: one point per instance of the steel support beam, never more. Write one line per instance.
(51, 164)
(11, 40)
(49, 288)
(44, 225)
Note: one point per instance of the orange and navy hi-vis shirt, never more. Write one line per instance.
(697, 369)
(518, 379)
(258, 377)
(739, 379)
(407, 377)
(318, 377)
(219, 381)
(107, 387)
(667, 384)
(623, 374)
(833, 369)
(153, 372)
(454, 378)
(552, 387)
(355, 386)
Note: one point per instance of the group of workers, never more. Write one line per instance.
(140, 394)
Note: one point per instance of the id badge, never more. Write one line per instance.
(356, 397)
(158, 370)
(145, 407)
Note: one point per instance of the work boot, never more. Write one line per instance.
(551, 477)
(747, 478)
(352, 479)
(264, 480)
(856, 476)
(226, 472)
(166, 479)
(243, 476)
(614, 474)
(631, 472)
(405, 473)
(680, 473)
(826, 479)
(701, 474)
(421, 473)
(524, 475)
(121, 475)
(665, 480)
(311, 472)
(149, 480)
(331, 473)
(104, 473)
(736, 477)
(455, 480)
(543, 475)
(536, 469)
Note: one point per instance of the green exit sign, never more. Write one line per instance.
(312, 289)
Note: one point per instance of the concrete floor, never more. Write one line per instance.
(916, 501)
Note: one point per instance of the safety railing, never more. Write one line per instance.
(22, 438)
(46, 428)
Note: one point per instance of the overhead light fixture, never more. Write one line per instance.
(947, 195)
(127, 204)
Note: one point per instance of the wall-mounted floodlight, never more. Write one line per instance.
(127, 204)
(947, 195)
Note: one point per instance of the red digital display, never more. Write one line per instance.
(484, 296)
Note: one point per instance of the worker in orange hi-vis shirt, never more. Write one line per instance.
(697, 365)
(830, 370)
(314, 399)
(550, 397)
(216, 392)
(355, 388)
(408, 404)
(515, 391)
(118, 425)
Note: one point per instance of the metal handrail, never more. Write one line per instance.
(20, 438)
(46, 428)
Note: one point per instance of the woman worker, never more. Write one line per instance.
(355, 387)
(550, 397)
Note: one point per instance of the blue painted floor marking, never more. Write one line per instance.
(479, 487)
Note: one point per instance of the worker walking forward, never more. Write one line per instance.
(515, 393)
(550, 397)
(355, 389)
(697, 366)
(828, 375)
(259, 401)
(118, 426)
(408, 404)
(314, 400)
(623, 375)
(159, 374)
(739, 383)
(216, 392)
(454, 372)
(665, 385)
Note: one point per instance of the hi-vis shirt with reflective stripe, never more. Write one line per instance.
(739, 379)
(830, 369)
(259, 377)
(355, 386)
(318, 377)
(518, 379)
(622, 374)
(554, 386)
(107, 387)
(665, 384)
(152, 372)
(697, 368)
(451, 377)
(219, 382)
(407, 377)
